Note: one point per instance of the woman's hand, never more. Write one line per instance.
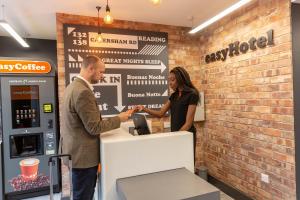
(135, 109)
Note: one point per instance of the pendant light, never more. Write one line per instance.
(99, 36)
(108, 19)
(156, 2)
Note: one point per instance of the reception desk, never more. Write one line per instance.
(124, 155)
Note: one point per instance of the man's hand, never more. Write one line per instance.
(124, 116)
(139, 108)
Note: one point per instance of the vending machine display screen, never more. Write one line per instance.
(25, 106)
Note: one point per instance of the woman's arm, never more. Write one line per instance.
(189, 119)
(156, 113)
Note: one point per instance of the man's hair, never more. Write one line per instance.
(90, 60)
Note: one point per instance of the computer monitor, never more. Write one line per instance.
(140, 124)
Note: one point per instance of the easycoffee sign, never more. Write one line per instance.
(234, 49)
(24, 67)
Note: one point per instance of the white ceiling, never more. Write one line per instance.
(36, 18)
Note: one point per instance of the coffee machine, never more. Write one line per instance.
(29, 126)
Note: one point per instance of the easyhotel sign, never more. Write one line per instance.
(234, 49)
(24, 67)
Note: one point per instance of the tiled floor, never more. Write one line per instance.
(225, 196)
(57, 197)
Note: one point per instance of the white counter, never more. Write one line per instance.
(124, 155)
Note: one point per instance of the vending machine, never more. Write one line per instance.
(1, 168)
(29, 126)
(1, 180)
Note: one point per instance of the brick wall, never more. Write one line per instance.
(249, 127)
(249, 101)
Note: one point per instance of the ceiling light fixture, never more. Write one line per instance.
(156, 2)
(11, 31)
(99, 36)
(219, 16)
(108, 19)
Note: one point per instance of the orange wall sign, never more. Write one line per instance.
(24, 66)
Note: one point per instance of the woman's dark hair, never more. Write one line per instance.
(183, 78)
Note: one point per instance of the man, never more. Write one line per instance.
(82, 125)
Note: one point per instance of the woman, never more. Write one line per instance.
(182, 103)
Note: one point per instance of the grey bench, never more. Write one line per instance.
(166, 185)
